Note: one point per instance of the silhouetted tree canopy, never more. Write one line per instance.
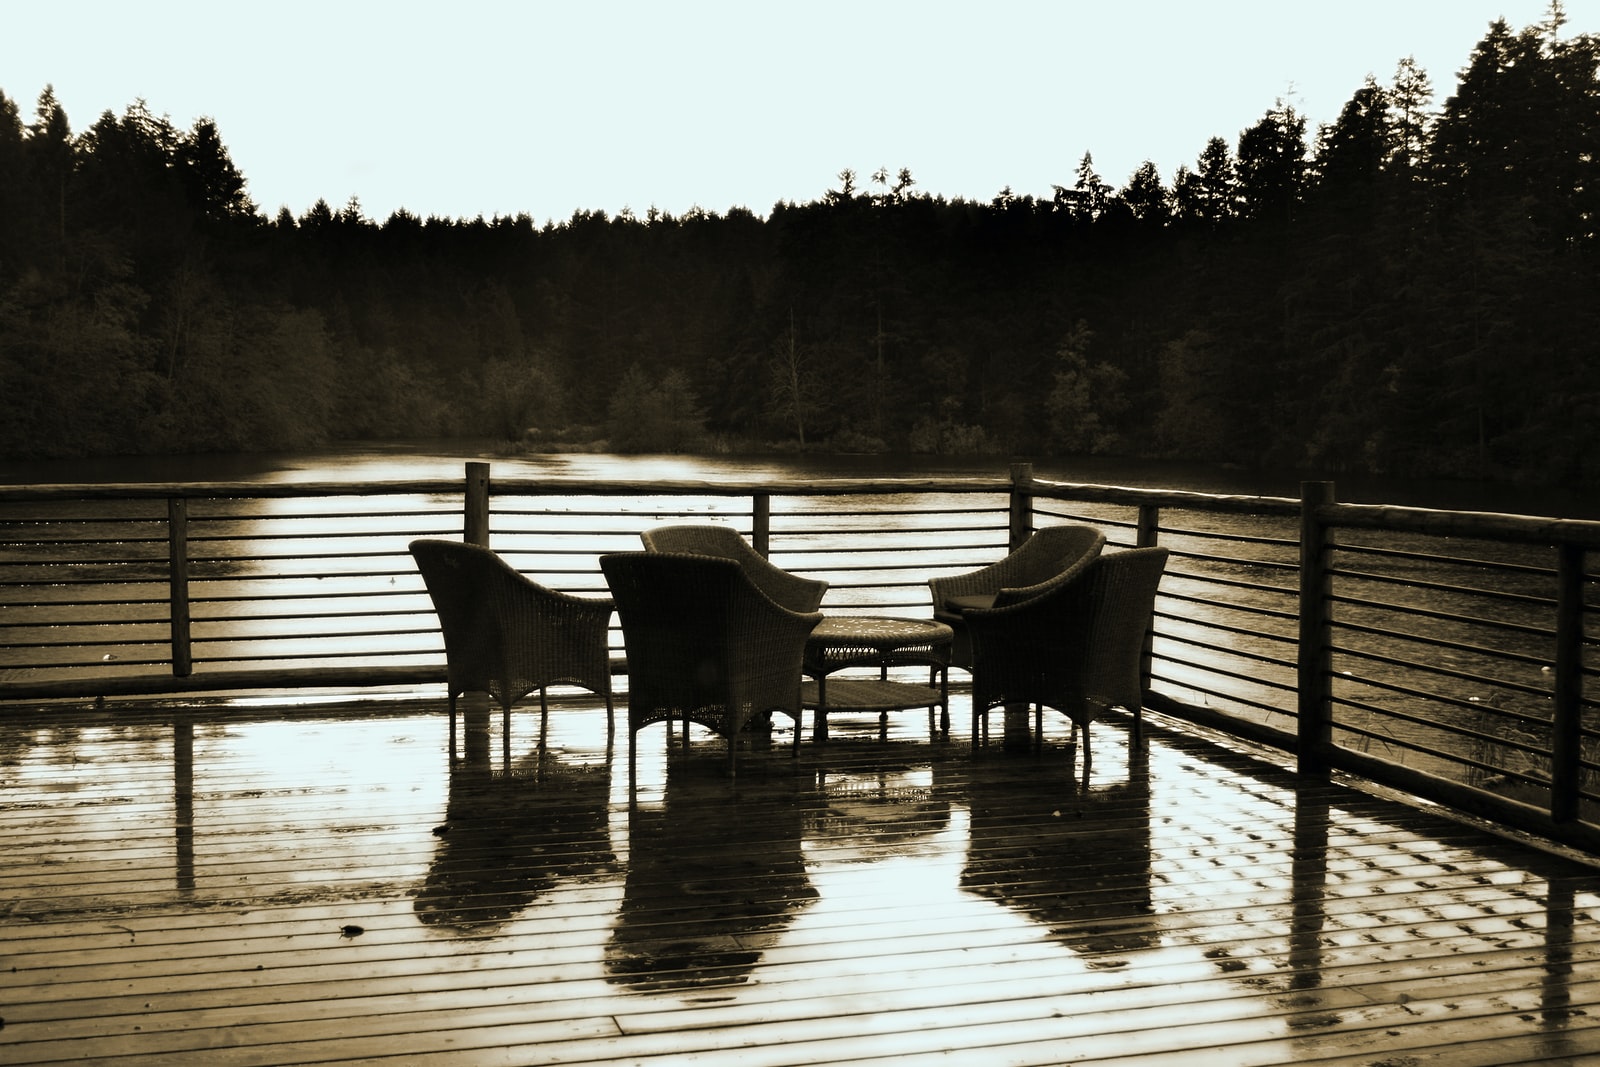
(1404, 290)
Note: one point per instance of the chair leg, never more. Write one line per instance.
(633, 764)
(452, 728)
(505, 736)
(544, 718)
(611, 723)
(944, 706)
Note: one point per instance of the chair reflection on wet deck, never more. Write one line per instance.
(710, 884)
(510, 838)
(1079, 863)
(870, 814)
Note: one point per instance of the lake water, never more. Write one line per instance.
(446, 459)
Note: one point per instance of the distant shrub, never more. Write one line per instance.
(650, 416)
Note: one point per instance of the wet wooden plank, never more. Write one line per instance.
(866, 903)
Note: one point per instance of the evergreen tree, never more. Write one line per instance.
(51, 162)
(1411, 119)
(1146, 198)
(1089, 191)
(17, 206)
(1207, 195)
(212, 185)
(1352, 157)
(1271, 168)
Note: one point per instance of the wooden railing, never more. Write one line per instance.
(1444, 653)
(1447, 654)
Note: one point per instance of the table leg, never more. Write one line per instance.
(944, 701)
(819, 718)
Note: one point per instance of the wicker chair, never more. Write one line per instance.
(710, 539)
(1054, 554)
(1078, 647)
(507, 635)
(704, 645)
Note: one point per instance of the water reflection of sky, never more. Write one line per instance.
(445, 459)
(387, 465)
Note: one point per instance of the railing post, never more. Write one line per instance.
(1315, 713)
(1147, 535)
(761, 522)
(475, 521)
(1566, 728)
(1021, 503)
(1018, 736)
(178, 585)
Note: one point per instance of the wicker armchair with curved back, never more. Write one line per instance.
(711, 539)
(704, 644)
(507, 635)
(1078, 647)
(1051, 556)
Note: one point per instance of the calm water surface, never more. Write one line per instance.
(438, 460)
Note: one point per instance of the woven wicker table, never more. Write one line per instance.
(843, 641)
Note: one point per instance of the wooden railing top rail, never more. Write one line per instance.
(1525, 529)
(497, 487)
(1167, 498)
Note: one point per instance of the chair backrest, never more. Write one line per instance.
(724, 542)
(1051, 550)
(1063, 570)
(505, 633)
(1049, 556)
(1080, 641)
(460, 579)
(675, 611)
(700, 634)
(1122, 589)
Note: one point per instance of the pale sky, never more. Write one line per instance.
(459, 108)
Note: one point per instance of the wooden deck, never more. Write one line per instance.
(252, 885)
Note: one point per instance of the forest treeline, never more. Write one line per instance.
(1408, 289)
